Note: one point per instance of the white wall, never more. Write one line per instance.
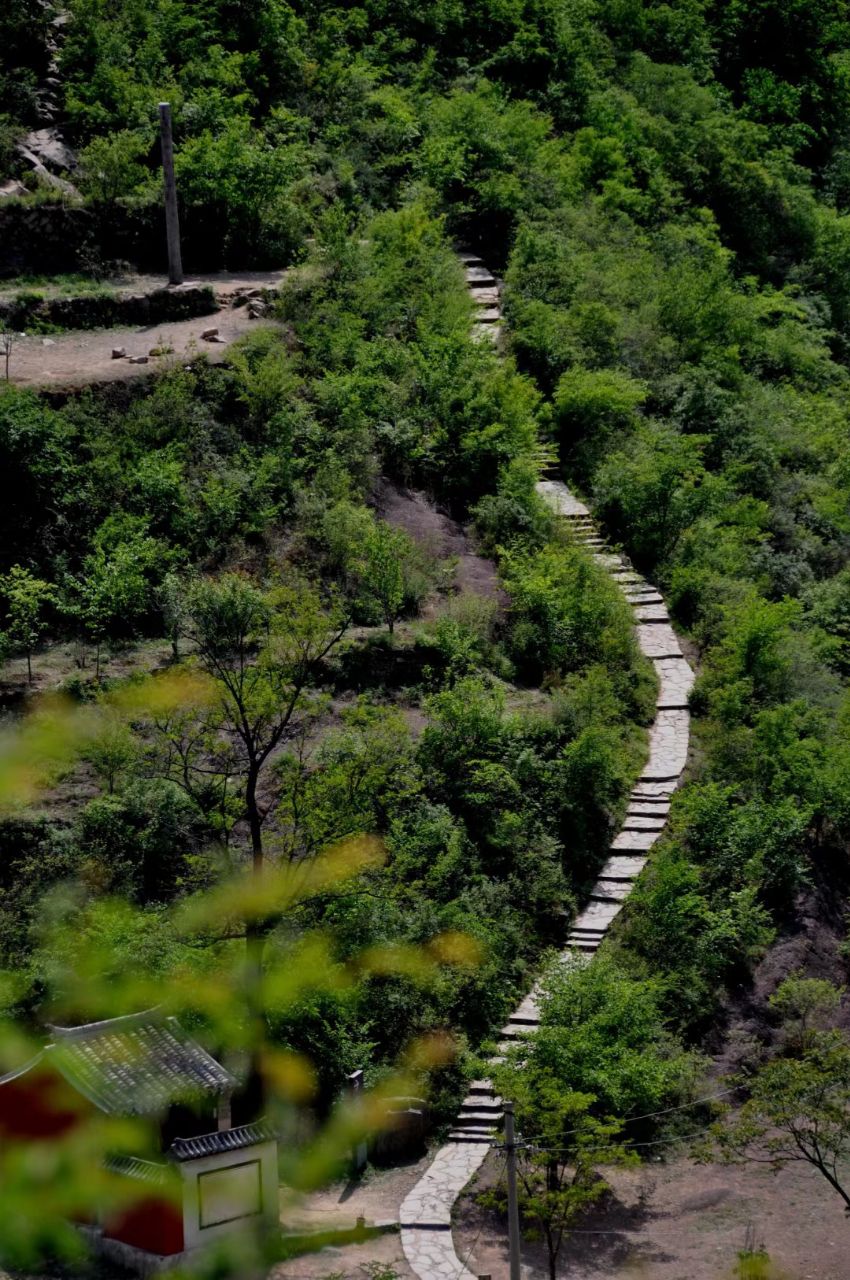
(222, 1193)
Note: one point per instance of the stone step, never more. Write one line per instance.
(523, 1018)
(651, 808)
(485, 332)
(640, 822)
(479, 275)
(626, 841)
(488, 315)
(657, 641)
(485, 295)
(462, 1135)
(511, 1032)
(482, 1087)
(482, 1120)
(623, 866)
(479, 1103)
(611, 890)
(650, 613)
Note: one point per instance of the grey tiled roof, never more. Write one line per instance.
(210, 1144)
(137, 1065)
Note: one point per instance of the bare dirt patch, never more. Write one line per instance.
(678, 1220)
(441, 537)
(376, 1199)
(85, 356)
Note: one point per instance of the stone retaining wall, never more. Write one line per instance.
(30, 309)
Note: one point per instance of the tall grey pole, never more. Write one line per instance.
(513, 1197)
(172, 217)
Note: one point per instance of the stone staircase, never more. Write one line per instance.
(480, 1115)
(426, 1211)
(486, 293)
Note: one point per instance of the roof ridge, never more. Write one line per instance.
(124, 1021)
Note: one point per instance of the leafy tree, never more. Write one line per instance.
(264, 651)
(558, 1165)
(113, 752)
(798, 1108)
(28, 599)
(114, 592)
(386, 570)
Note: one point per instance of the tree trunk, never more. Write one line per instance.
(252, 809)
(254, 1094)
(29, 667)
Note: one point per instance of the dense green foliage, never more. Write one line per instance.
(666, 188)
(233, 509)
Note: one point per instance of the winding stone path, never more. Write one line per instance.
(426, 1234)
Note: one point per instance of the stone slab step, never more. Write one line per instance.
(485, 332)
(658, 790)
(480, 1103)
(479, 275)
(482, 1087)
(634, 840)
(477, 1120)
(658, 641)
(484, 294)
(558, 497)
(513, 1031)
(461, 1135)
(651, 805)
(651, 613)
(640, 822)
(623, 866)
(611, 890)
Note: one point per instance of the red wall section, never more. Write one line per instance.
(154, 1223)
(38, 1105)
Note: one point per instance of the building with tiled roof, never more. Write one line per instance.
(209, 1180)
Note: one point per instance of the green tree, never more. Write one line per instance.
(27, 600)
(388, 563)
(264, 650)
(798, 1111)
(558, 1165)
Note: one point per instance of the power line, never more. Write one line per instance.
(615, 1146)
(651, 1115)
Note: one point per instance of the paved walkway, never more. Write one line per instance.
(426, 1211)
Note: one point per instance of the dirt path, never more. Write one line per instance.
(679, 1221)
(376, 1199)
(84, 356)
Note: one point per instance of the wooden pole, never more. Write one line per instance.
(172, 216)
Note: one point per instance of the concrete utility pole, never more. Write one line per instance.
(172, 217)
(360, 1152)
(513, 1196)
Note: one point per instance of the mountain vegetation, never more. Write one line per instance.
(665, 188)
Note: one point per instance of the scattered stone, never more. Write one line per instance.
(12, 189)
(48, 147)
(118, 353)
(48, 342)
(138, 359)
(209, 335)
